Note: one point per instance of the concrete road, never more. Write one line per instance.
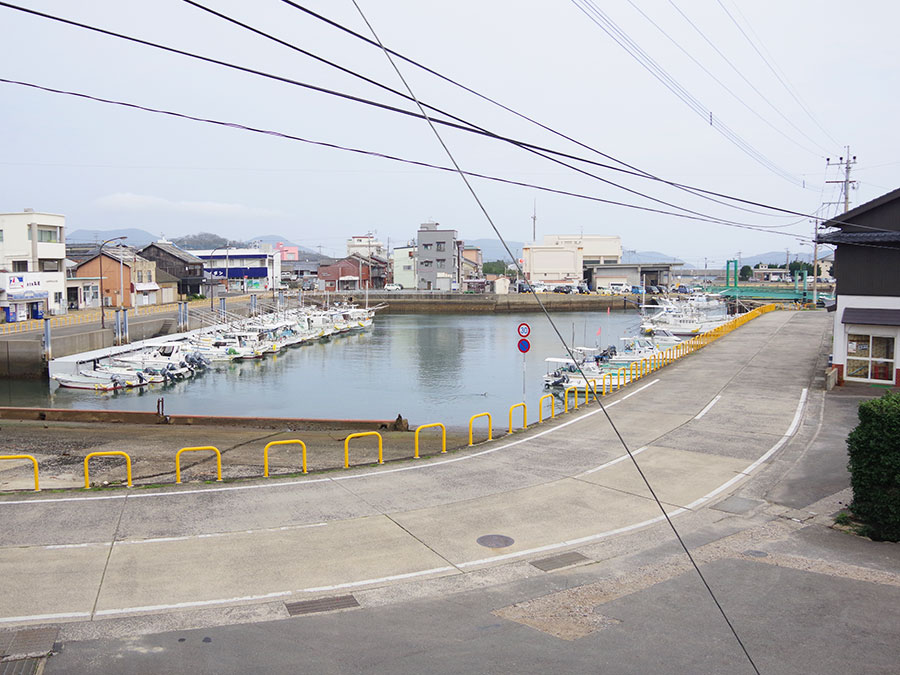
(704, 428)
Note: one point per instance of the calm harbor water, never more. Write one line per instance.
(427, 367)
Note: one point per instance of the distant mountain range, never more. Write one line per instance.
(134, 236)
(776, 258)
(139, 238)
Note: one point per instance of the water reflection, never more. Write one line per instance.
(430, 368)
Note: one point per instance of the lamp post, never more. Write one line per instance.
(102, 314)
(211, 263)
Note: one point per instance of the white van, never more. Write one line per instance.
(620, 288)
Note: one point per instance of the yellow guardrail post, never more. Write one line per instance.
(426, 426)
(357, 435)
(525, 412)
(587, 390)
(197, 449)
(110, 453)
(607, 375)
(290, 442)
(490, 426)
(566, 398)
(541, 407)
(37, 484)
(621, 377)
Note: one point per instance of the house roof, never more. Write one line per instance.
(163, 277)
(889, 237)
(173, 250)
(864, 208)
(127, 256)
(868, 316)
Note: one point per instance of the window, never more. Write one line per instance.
(149, 276)
(1, 236)
(49, 265)
(20, 265)
(140, 276)
(441, 262)
(426, 263)
(48, 235)
(407, 268)
(427, 247)
(870, 357)
(441, 245)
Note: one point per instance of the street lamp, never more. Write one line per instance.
(102, 314)
(211, 262)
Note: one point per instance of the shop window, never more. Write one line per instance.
(870, 357)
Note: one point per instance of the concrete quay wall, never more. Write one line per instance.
(456, 303)
(23, 356)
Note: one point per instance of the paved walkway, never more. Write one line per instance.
(699, 428)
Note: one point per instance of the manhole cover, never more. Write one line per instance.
(495, 540)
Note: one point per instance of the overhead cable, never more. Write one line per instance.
(569, 350)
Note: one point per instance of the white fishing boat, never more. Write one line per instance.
(686, 317)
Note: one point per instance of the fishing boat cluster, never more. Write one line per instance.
(245, 339)
(663, 325)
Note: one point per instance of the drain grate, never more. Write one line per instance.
(30, 642)
(559, 561)
(23, 667)
(321, 605)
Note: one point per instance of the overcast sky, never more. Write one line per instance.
(107, 167)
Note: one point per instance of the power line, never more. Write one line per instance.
(527, 147)
(700, 65)
(286, 136)
(462, 127)
(785, 84)
(466, 127)
(742, 76)
(569, 350)
(602, 20)
(381, 155)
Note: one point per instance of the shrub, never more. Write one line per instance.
(874, 449)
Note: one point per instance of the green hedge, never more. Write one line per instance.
(874, 448)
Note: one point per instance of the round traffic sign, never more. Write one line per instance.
(524, 345)
(524, 330)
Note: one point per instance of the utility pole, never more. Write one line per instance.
(845, 162)
(534, 223)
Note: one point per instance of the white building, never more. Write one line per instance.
(32, 265)
(403, 261)
(561, 258)
(246, 269)
(366, 245)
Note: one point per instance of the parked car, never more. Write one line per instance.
(562, 288)
(652, 290)
(583, 289)
(393, 287)
(684, 289)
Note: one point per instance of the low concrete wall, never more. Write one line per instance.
(456, 303)
(22, 358)
(129, 417)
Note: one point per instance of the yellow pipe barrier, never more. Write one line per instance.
(566, 398)
(490, 426)
(110, 453)
(541, 407)
(590, 386)
(198, 448)
(524, 413)
(362, 433)
(605, 376)
(289, 442)
(621, 377)
(426, 426)
(632, 371)
(37, 485)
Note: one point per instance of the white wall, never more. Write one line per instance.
(841, 330)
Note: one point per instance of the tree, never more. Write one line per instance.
(746, 273)
(799, 265)
(874, 449)
(495, 267)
